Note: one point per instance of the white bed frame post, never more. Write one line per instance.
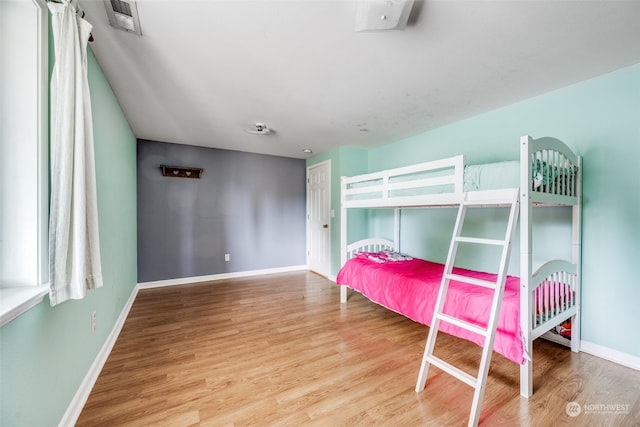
(576, 255)
(526, 326)
(396, 228)
(530, 279)
(343, 233)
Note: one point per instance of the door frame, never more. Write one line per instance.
(329, 211)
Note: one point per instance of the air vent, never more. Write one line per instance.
(121, 7)
(123, 15)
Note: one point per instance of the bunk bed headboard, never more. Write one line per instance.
(551, 174)
(370, 245)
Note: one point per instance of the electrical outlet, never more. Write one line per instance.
(227, 257)
(93, 321)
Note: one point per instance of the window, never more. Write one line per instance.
(23, 156)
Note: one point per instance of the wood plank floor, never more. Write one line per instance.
(281, 350)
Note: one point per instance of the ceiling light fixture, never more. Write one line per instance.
(307, 150)
(260, 129)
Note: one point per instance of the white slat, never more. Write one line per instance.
(488, 198)
(455, 162)
(364, 190)
(479, 240)
(452, 370)
(422, 183)
(472, 281)
(463, 324)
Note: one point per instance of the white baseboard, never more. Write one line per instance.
(611, 355)
(213, 277)
(77, 403)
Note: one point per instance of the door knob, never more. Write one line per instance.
(325, 225)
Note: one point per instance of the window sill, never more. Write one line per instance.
(17, 300)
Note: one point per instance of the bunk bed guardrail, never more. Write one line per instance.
(439, 181)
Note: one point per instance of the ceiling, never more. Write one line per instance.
(205, 71)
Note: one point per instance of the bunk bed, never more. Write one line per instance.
(548, 173)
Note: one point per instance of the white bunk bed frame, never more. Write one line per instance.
(537, 317)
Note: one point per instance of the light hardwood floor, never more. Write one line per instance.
(281, 350)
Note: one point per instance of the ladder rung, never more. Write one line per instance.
(463, 324)
(473, 281)
(452, 370)
(480, 240)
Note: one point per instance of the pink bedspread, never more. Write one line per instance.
(411, 288)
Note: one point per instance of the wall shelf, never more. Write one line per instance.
(181, 171)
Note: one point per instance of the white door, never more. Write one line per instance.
(319, 218)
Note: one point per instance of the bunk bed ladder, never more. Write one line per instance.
(479, 382)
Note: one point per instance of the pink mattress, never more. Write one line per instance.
(410, 287)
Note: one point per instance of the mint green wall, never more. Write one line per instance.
(46, 352)
(345, 161)
(599, 120)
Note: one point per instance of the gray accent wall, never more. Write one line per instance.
(250, 206)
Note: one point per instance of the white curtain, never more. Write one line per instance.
(74, 246)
